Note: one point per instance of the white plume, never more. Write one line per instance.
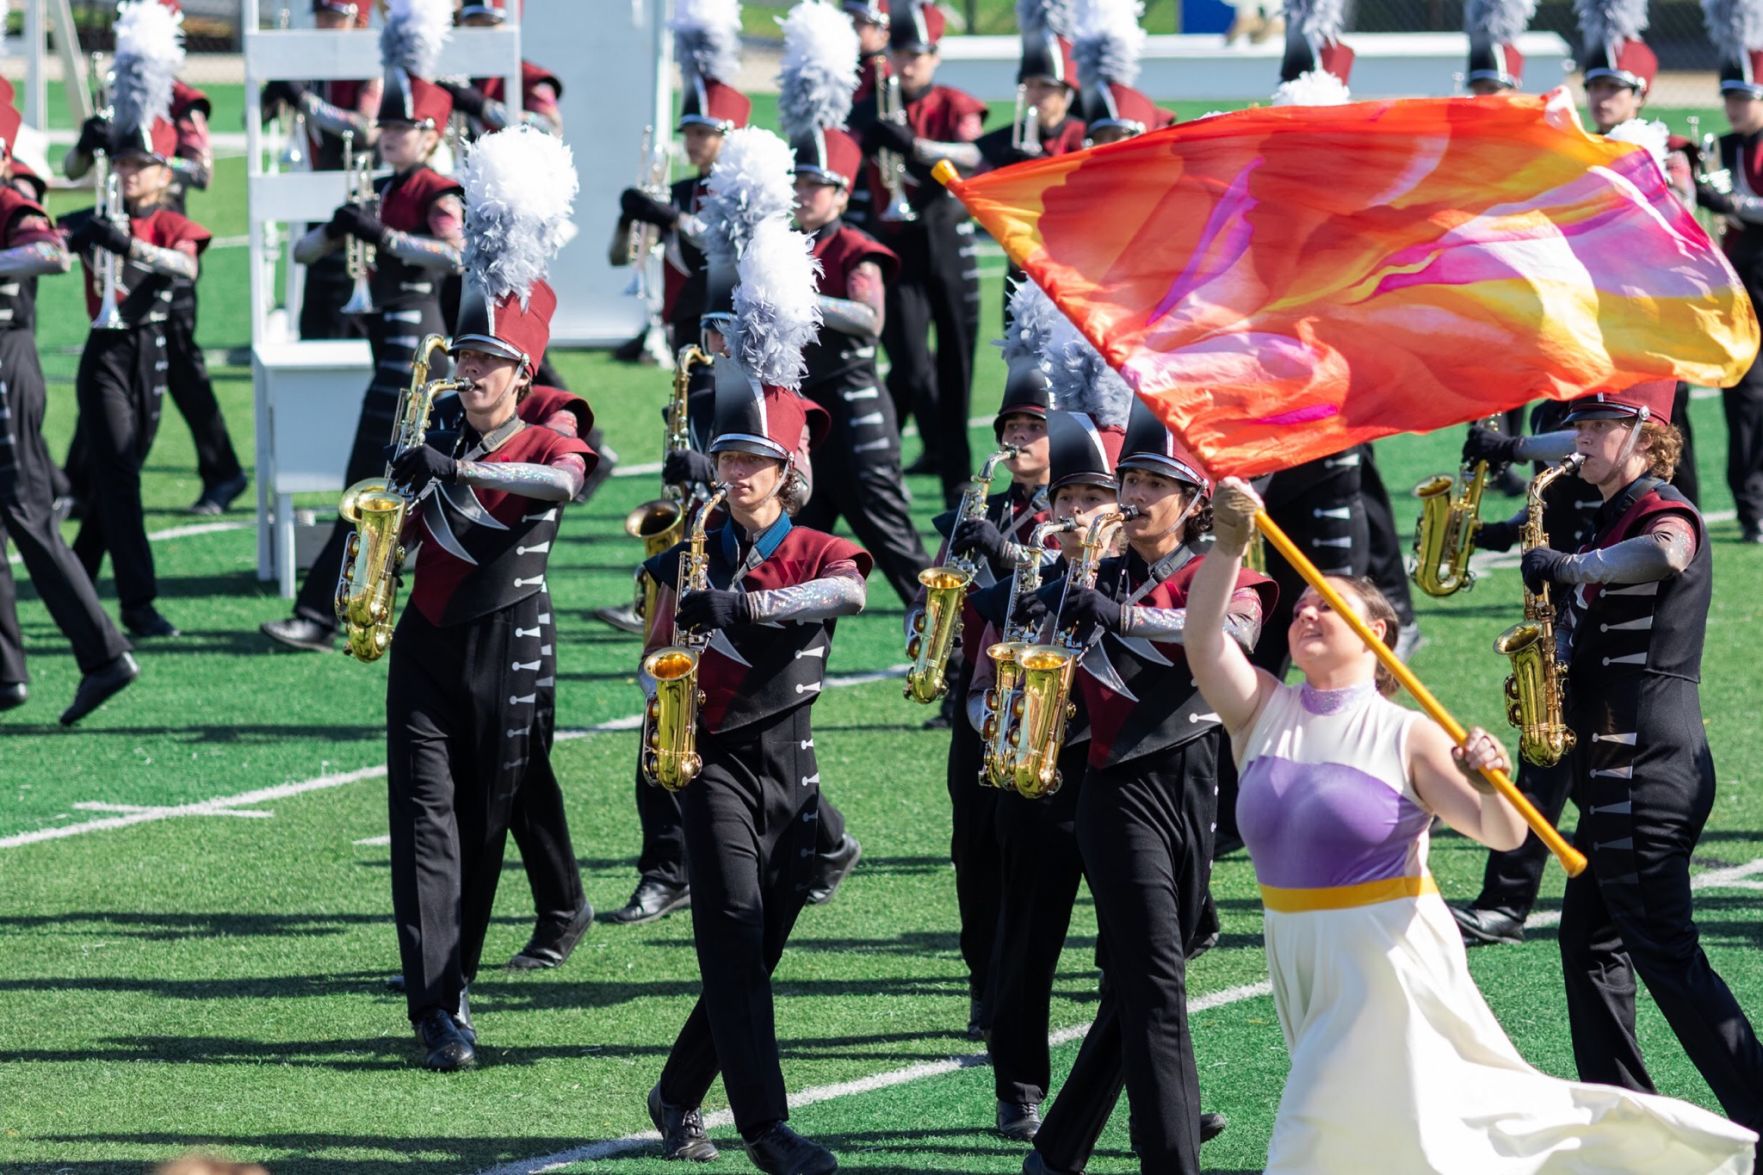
(1034, 16)
(1500, 21)
(1318, 87)
(149, 56)
(414, 34)
(819, 72)
(1604, 21)
(1735, 26)
(1109, 41)
(1081, 379)
(1032, 320)
(1654, 136)
(754, 180)
(777, 304)
(520, 187)
(707, 39)
(1324, 19)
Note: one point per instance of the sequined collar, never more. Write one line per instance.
(1334, 701)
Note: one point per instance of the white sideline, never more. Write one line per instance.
(223, 805)
(174, 532)
(612, 1147)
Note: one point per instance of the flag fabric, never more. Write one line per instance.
(1283, 283)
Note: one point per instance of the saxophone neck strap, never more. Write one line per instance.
(762, 549)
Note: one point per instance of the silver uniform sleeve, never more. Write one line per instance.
(1242, 624)
(840, 592)
(544, 483)
(1546, 446)
(1642, 559)
(849, 317)
(422, 252)
(160, 260)
(965, 156)
(39, 257)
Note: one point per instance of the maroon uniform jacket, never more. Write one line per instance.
(531, 97)
(994, 146)
(145, 296)
(18, 309)
(542, 404)
(938, 114)
(405, 200)
(836, 358)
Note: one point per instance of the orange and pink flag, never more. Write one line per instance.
(1283, 283)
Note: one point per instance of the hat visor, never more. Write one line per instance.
(1601, 412)
(743, 442)
(1617, 75)
(821, 175)
(1160, 465)
(488, 344)
(1084, 479)
(703, 120)
(1494, 75)
(1748, 89)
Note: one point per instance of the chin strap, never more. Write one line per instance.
(1633, 438)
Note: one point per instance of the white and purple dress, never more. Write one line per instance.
(1397, 1062)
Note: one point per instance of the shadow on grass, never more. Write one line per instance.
(231, 734)
(412, 1153)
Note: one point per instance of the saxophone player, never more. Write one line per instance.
(472, 683)
(1635, 607)
(770, 597)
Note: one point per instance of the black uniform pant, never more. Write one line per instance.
(663, 855)
(973, 849)
(394, 336)
(1511, 879)
(466, 722)
(1685, 479)
(749, 822)
(938, 287)
(1319, 506)
(541, 832)
(1744, 446)
(857, 477)
(120, 389)
(324, 290)
(1145, 830)
(1630, 913)
(1385, 561)
(27, 518)
(193, 393)
(1041, 871)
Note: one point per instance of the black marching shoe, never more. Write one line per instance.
(781, 1151)
(395, 983)
(445, 1048)
(297, 632)
(1019, 1120)
(651, 900)
(1751, 534)
(831, 869)
(682, 1131)
(146, 621)
(99, 686)
(1034, 1164)
(1481, 926)
(216, 498)
(1211, 1126)
(15, 694)
(550, 945)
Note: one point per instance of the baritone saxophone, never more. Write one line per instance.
(670, 738)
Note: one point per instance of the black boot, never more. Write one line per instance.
(781, 1151)
(682, 1130)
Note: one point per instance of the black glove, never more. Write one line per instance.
(889, 136)
(94, 135)
(687, 467)
(418, 466)
(713, 609)
(1490, 445)
(1496, 536)
(352, 220)
(1714, 200)
(647, 209)
(980, 536)
(282, 94)
(99, 233)
(1541, 565)
(1033, 607)
(1091, 607)
(467, 98)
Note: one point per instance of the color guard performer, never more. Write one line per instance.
(471, 693)
(769, 599)
(413, 229)
(481, 99)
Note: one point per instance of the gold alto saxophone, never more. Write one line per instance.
(1445, 537)
(367, 586)
(891, 107)
(1003, 702)
(1536, 689)
(670, 740)
(945, 587)
(1046, 672)
(660, 522)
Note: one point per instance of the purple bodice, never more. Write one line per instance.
(1309, 825)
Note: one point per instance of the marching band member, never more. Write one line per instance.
(471, 692)
(416, 238)
(1396, 1060)
(1147, 811)
(120, 387)
(857, 471)
(1109, 41)
(1636, 603)
(29, 247)
(1047, 78)
(938, 283)
(480, 99)
(775, 592)
(870, 19)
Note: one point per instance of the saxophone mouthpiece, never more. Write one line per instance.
(1574, 461)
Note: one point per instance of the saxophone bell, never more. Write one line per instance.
(670, 735)
(1536, 690)
(1444, 539)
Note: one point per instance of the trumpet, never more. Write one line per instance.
(1445, 535)
(653, 166)
(1536, 690)
(367, 587)
(1046, 672)
(1025, 128)
(108, 186)
(659, 522)
(670, 742)
(1003, 702)
(891, 107)
(934, 629)
(358, 256)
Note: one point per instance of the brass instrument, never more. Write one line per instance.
(660, 522)
(367, 587)
(1046, 672)
(1003, 702)
(891, 107)
(1025, 128)
(945, 587)
(653, 166)
(358, 255)
(108, 186)
(670, 738)
(1445, 538)
(1536, 689)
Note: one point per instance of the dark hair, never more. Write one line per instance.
(1375, 607)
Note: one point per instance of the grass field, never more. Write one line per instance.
(194, 906)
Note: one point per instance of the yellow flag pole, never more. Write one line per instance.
(1571, 858)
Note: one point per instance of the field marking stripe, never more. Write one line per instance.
(614, 1147)
(1732, 876)
(281, 791)
(174, 532)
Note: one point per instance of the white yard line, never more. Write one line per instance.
(1732, 877)
(613, 1147)
(176, 532)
